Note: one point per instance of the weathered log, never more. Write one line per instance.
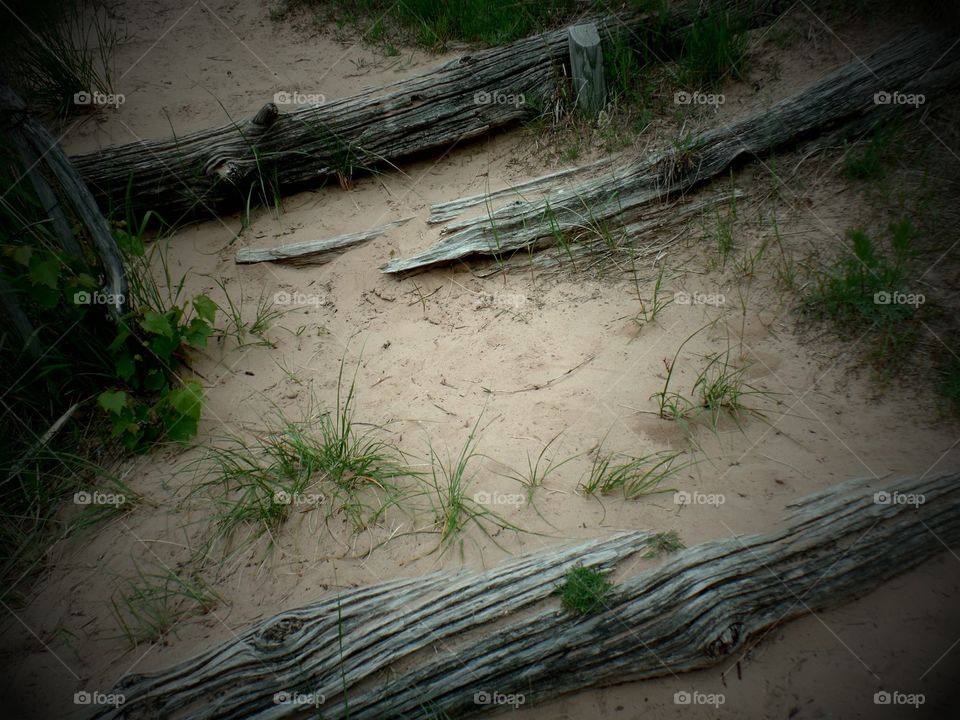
(441, 212)
(314, 251)
(205, 172)
(375, 625)
(918, 62)
(702, 606)
(213, 170)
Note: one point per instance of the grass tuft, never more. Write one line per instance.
(584, 591)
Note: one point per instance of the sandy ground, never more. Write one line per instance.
(531, 356)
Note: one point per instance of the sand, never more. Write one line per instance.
(533, 357)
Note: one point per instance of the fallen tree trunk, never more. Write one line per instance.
(206, 172)
(920, 61)
(702, 606)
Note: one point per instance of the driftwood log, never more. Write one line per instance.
(918, 62)
(202, 173)
(449, 636)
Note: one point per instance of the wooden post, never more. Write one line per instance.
(586, 68)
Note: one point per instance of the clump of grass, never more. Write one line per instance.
(246, 330)
(714, 47)
(650, 309)
(539, 470)
(584, 591)
(719, 389)
(150, 605)
(66, 52)
(324, 460)
(663, 543)
(724, 237)
(436, 23)
(454, 508)
(632, 476)
(866, 161)
(856, 292)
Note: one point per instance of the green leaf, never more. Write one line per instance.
(21, 255)
(113, 401)
(125, 367)
(187, 400)
(164, 347)
(130, 244)
(45, 272)
(118, 342)
(181, 428)
(205, 307)
(197, 332)
(154, 322)
(154, 380)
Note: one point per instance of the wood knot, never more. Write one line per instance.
(724, 644)
(266, 115)
(277, 632)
